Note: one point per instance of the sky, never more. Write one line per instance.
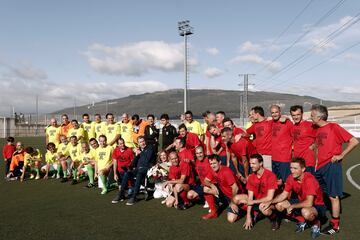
(85, 51)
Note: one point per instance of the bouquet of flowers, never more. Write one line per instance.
(158, 173)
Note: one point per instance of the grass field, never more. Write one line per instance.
(53, 210)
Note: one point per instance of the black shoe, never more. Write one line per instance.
(257, 217)
(74, 181)
(63, 180)
(275, 224)
(184, 206)
(90, 185)
(131, 202)
(146, 196)
(118, 198)
(330, 230)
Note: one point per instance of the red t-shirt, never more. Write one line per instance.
(239, 149)
(175, 172)
(261, 186)
(8, 151)
(281, 141)
(329, 140)
(224, 178)
(262, 131)
(220, 144)
(123, 158)
(202, 168)
(308, 186)
(304, 135)
(185, 154)
(192, 141)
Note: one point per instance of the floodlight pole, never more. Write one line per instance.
(244, 98)
(184, 30)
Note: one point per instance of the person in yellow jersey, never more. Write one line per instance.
(76, 131)
(87, 157)
(73, 151)
(88, 126)
(51, 158)
(98, 126)
(53, 132)
(126, 130)
(61, 151)
(32, 163)
(192, 125)
(111, 130)
(103, 162)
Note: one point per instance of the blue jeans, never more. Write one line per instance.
(139, 174)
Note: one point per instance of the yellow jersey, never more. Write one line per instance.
(79, 133)
(61, 150)
(104, 157)
(194, 127)
(87, 156)
(111, 130)
(89, 130)
(53, 134)
(126, 131)
(99, 129)
(73, 152)
(29, 159)
(50, 157)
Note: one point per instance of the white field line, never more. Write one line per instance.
(351, 180)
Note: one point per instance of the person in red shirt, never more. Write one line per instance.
(122, 157)
(261, 186)
(184, 154)
(8, 151)
(304, 133)
(181, 177)
(281, 144)
(261, 131)
(218, 147)
(191, 139)
(222, 184)
(308, 206)
(202, 168)
(240, 151)
(329, 140)
(220, 115)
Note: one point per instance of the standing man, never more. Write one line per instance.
(329, 140)
(261, 131)
(98, 126)
(111, 130)
(65, 126)
(138, 127)
(168, 132)
(151, 133)
(53, 132)
(88, 126)
(76, 131)
(281, 144)
(304, 134)
(192, 125)
(126, 130)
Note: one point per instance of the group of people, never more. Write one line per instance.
(279, 167)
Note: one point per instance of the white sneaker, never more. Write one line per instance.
(58, 176)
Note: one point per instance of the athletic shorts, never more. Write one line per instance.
(281, 169)
(199, 189)
(330, 179)
(321, 209)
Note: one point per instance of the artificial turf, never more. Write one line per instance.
(48, 209)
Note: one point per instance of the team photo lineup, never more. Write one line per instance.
(278, 168)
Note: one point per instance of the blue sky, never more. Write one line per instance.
(94, 50)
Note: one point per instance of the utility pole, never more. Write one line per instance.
(37, 115)
(244, 97)
(184, 30)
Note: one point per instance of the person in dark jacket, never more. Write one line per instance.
(169, 132)
(151, 133)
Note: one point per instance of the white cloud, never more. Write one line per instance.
(213, 72)
(248, 46)
(213, 51)
(25, 71)
(136, 59)
(256, 59)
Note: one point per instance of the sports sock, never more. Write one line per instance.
(103, 181)
(37, 171)
(183, 196)
(65, 173)
(58, 169)
(335, 222)
(74, 172)
(90, 171)
(211, 201)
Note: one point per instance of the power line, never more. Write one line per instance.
(316, 65)
(327, 14)
(329, 38)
